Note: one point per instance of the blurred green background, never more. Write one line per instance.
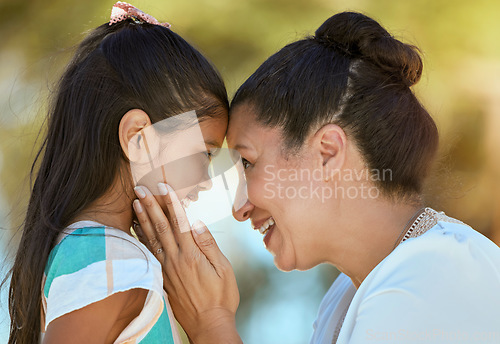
(460, 41)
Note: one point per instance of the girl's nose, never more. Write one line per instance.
(206, 184)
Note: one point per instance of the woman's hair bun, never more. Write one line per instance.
(356, 35)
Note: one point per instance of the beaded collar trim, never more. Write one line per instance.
(425, 221)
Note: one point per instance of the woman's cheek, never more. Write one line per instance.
(283, 251)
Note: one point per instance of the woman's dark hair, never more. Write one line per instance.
(353, 73)
(116, 68)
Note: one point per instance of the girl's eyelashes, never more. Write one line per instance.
(246, 164)
(211, 153)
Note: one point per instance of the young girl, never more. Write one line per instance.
(79, 276)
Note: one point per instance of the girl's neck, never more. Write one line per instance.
(113, 209)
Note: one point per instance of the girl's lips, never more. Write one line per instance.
(191, 197)
(186, 202)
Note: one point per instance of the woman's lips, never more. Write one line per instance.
(267, 236)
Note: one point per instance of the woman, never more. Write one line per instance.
(79, 275)
(336, 148)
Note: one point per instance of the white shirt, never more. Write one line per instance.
(441, 287)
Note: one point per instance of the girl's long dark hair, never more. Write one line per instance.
(115, 69)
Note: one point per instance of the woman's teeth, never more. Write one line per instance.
(264, 228)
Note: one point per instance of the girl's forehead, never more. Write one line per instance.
(214, 130)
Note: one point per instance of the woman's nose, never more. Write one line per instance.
(243, 213)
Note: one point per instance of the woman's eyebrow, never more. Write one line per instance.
(240, 146)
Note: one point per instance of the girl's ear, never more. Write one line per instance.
(131, 125)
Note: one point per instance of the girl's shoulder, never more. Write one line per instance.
(91, 262)
(87, 243)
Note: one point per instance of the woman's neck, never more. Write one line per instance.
(372, 235)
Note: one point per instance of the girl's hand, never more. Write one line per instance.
(198, 278)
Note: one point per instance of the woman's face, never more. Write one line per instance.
(283, 191)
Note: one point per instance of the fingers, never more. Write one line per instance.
(208, 246)
(140, 234)
(154, 223)
(180, 222)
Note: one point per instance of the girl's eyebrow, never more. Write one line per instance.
(213, 143)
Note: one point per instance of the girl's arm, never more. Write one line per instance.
(198, 278)
(99, 322)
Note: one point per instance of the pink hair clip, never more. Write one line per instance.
(122, 11)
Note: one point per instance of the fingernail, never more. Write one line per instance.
(173, 195)
(199, 227)
(169, 188)
(137, 206)
(139, 192)
(162, 189)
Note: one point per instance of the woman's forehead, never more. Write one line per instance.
(242, 123)
(245, 132)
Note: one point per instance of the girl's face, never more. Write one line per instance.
(284, 192)
(180, 159)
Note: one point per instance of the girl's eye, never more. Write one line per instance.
(246, 163)
(209, 155)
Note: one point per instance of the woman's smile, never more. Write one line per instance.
(267, 236)
(263, 226)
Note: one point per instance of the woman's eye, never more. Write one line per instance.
(246, 163)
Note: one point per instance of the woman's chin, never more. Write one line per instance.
(284, 259)
(285, 265)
